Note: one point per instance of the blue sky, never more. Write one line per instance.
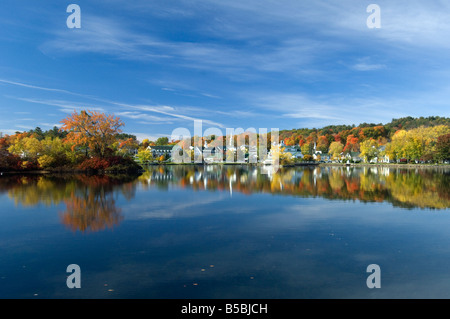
(159, 65)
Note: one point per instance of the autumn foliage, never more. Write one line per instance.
(402, 140)
(92, 130)
(88, 140)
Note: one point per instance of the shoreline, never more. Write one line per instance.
(393, 165)
(379, 165)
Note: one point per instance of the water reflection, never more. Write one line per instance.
(92, 205)
(90, 201)
(407, 188)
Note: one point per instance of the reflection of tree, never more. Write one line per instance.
(419, 189)
(89, 200)
(94, 211)
(34, 190)
(428, 188)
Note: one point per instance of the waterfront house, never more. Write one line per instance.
(382, 156)
(159, 150)
(295, 151)
(352, 156)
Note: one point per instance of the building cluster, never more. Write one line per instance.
(219, 153)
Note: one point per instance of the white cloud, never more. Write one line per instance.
(318, 111)
(152, 137)
(366, 64)
(172, 113)
(143, 117)
(296, 45)
(239, 60)
(8, 131)
(25, 127)
(65, 106)
(104, 36)
(34, 86)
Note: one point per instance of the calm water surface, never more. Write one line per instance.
(227, 232)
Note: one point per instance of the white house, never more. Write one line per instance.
(160, 150)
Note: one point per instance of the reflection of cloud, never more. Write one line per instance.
(334, 183)
(189, 207)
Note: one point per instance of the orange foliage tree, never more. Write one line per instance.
(352, 144)
(93, 130)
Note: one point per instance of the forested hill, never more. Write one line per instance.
(407, 123)
(411, 138)
(404, 123)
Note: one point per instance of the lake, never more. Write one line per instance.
(227, 231)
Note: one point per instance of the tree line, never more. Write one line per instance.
(405, 139)
(89, 140)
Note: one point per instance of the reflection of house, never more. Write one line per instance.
(161, 150)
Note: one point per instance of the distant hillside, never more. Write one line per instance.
(405, 123)
(422, 138)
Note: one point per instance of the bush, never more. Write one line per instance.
(94, 163)
(10, 162)
(111, 164)
(29, 165)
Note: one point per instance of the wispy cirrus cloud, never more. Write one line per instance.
(366, 64)
(25, 85)
(309, 110)
(282, 63)
(144, 118)
(238, 39)
(170, 113)
(64, 106)
(105, 36)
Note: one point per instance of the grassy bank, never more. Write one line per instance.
(393, 165)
